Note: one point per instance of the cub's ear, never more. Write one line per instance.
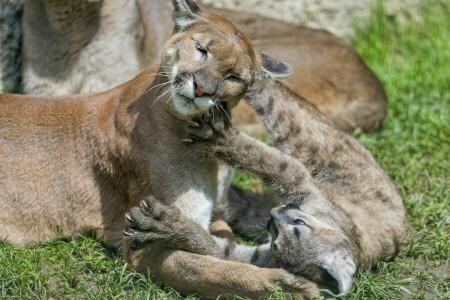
(340, 266)
(185, 12)
(273, 68)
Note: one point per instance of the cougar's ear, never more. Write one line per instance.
(340, 266)
(272, 68)
(185, 12)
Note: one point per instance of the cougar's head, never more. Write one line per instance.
(208, 61)
(307, 246)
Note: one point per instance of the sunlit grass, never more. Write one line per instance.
(412, 59)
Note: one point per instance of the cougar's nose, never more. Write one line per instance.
(200, 91)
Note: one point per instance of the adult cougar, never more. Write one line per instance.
(91, 46)
(84, 160)
(339, 209)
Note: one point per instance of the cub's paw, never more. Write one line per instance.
(151, 222)
(212, 138)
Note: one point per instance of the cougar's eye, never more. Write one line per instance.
(298, 222)
(200, 49)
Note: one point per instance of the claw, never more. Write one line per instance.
(193, 124)
(127, 233)
(129, 218)
(187, 140)
(146, 204)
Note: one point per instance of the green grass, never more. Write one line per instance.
(413, 147)
(412, 59)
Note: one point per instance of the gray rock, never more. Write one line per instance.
(10, 40)
(336, 16)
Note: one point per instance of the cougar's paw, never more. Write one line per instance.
(296, 287)
(211, 137)
(198, 131)
(150, 222)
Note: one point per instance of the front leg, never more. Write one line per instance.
(153, 222)
(190, 272)
(219, 139)
(211, 277)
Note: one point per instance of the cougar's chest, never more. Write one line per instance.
(189, 182)
(175, 174)
(203, 190)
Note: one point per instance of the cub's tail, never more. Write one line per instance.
(247, 213)
(11, 44)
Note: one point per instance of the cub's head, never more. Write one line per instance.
(208, 61)
(305, 245)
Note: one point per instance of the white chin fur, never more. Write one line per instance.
(187, 89)
(180, 104)
(198, 106)
(203, 103)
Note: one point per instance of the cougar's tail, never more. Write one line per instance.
(247, 213)
(11, 44)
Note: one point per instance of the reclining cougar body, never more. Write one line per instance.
(91, 46)
(82, 161)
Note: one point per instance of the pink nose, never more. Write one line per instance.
(200, 91)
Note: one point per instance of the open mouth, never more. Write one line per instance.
(270, 223)
(272, 228)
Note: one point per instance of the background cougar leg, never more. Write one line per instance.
(220, 228)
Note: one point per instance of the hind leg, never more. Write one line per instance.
(220, 228)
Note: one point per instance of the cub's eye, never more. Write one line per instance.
(298, 222)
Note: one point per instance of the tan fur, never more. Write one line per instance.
(314, 160)
(350, 212)
(309, 145)
(219, 227)
(101, 44)
(82, 161)
(344, 170)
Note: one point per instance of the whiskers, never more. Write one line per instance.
(259, 233)
(263, 234)
(172, 90)
(161, 73)
(220, 110)
(158, 86)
